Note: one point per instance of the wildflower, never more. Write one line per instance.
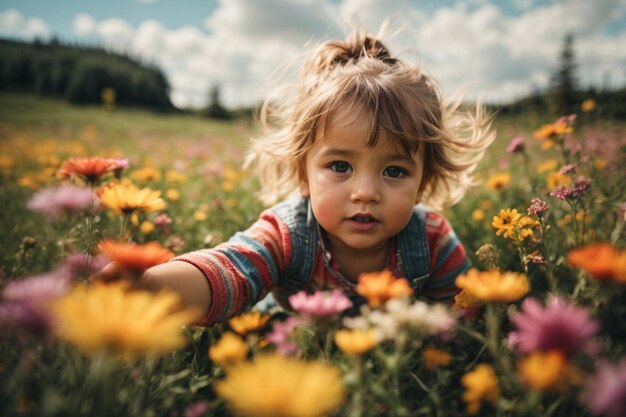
(435, 358)
(547, 166)
(568, 169)
(175, 176)
(538, 207)
(64, 199)
(172, 194)
(320, 303)
(517, 145)
(419, 317)
(499, 181)
(559, 326)
(200, 215)
(588, 105)
(480, 384)
(478, 215)
(197, 409)
(280, 335)
(493, 285)
(378, 287)
(603, 261)
(505, 222)
(544, 370)
(605, 391)
(581, 184)
(556, 130)
(230, 348)
(248, 322)
(489, 255)
(356, 342)
(126, 323)
(464, 300)
(556, 179)
(135, 257)
(146, 227)
(90, 169)
(125, 198)
(147, 174)
(290, 387)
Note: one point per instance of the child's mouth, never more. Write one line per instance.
(363, 222)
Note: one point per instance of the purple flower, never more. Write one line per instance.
(581, 184)
(517, 145)
(320, 303)
(280, 336)
(605, 391)
(538, 207)
(64, 199)
(560, 325)
(197, 409)
(566, 169)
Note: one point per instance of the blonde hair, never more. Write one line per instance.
(360, 74)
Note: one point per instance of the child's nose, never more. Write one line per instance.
(366, 189)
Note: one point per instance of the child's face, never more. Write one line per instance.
(360, 195)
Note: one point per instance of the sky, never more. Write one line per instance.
(500, 50)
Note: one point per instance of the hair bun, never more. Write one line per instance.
(354, 48)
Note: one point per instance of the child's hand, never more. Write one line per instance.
(112, 271)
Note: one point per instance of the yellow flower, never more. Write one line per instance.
(600, 164)
(200, 215)
(126, 198)
(556, 178)
(356, 342)
(232, 202)
(493, 285)
(230, 348)
(172, 194)
(278, 386)
(486, 204)
(175, 176)
(463, 301)
(248, 322)
(588, 105)
(127, 323)
(548, 165)
(378, 287)
(544, 371)
(480, 384)
(146, 227)
(499, 181)
(435, 358)
(147, 174)
(506, 222)
(478, 215)
(553, 131)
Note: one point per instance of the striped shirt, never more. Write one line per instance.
(242, 271)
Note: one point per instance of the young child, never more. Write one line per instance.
(364, 139)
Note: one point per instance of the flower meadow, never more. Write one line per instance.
(539, 328)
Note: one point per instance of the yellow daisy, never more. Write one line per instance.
(126, 198)
(493, 285)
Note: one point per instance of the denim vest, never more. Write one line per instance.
(413, 257)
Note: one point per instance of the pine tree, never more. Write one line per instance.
(215, 110)
(564, 83)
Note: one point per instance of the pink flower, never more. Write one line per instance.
(280, 336)
(605, 391)
(197, 409)
(320, 303)
(64, 199)
(538, 207)
(560, 325)
(581, 184)
(566, 169)
(517, 145)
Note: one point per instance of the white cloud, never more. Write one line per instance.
(84, 24)
(14, 24)
(473, 46)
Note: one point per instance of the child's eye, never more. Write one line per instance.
(395, 172)
(340, 167)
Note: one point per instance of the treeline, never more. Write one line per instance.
(81, 74)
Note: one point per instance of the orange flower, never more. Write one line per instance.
(435, 358)
(248, 322)
(356, 342)
(464, 301)
(544, 371)
(378, 287)
(230, 348)
(89, 169)
(135, 257)
(553, 131)
(493, 285)
(601, 260)
(480, 384)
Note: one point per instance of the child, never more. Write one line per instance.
(365, 139)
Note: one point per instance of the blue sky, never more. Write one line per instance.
(501, 49)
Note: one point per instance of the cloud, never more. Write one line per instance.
(84, 24)
(13, 24)
(473, 46)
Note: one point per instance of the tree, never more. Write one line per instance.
(215, 110)
(564, 83)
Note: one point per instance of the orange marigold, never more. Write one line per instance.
(89, 169)
(248, 322)
(135, 257)
(493, 285)
(603, 261)
(435, 358)
(378, 287)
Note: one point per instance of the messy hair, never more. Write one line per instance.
(360, 75)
